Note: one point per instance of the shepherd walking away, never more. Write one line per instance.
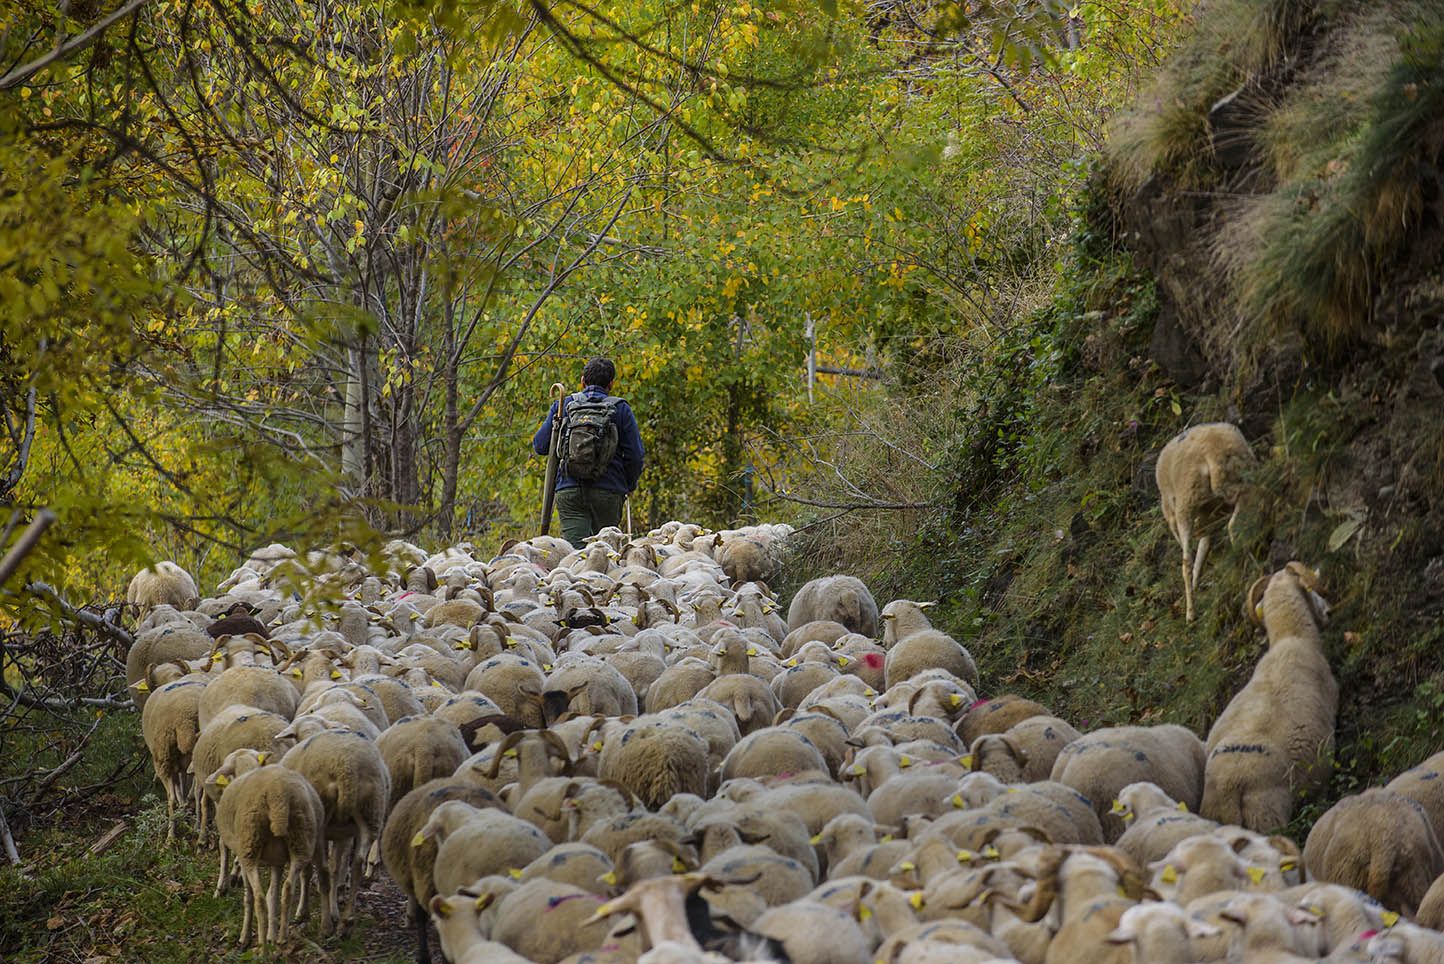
(599, 451)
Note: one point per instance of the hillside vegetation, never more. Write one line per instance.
(1031, 249)
(1260, 244)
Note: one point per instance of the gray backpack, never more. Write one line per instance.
(589, 437)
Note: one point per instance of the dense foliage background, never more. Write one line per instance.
(280, 270)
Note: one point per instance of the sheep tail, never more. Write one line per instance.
(278, 809)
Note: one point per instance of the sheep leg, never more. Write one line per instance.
(1198, 559)
(1187, 573)
(288, 893)
(423, 939)
(255, 902)
(273, 906)
(335, 859)
(224, 876)
(360, 845)
(170, 808)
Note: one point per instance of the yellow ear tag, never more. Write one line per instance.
(991, 852)
(464, 644)
(1287, 864)
(335, 674)
(863, 913)
(547, 667)
(843, 661)
(965, 856)
(885, 838)
(1389, 917)
(511, 752)
(966, 760)
(435, 682)
(296, 672)
(790, 662)
(751, 651)
(443, 909)
(261, 758)
(905, 761)
(955, 700)
(907, 866)
(597, 746)
(419, 839)
(142, 687)
(222, 780)
(515, 873)
(217, 657)
(916, 899)
(858, 770)
(609, 878)
(482, 903)
(1256, 874)
(263, 649)
(1117, 807)
(1316, 909)
(958, 801)
(815, 839)
(677, 866)
(1125, 817)
(1169, 875)
(1183, 807)
(1258, 609)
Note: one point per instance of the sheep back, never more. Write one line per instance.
(840, 599)
(1101, 763)
(1380, 842)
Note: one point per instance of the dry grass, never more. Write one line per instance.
(1234, 42)
(1354, 147)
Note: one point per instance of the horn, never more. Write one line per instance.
(1254, 599)
(512, 739)
(556, 743)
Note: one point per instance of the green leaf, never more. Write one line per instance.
(1344, 531)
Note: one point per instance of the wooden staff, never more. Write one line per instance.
(549, 491)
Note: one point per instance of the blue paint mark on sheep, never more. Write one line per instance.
(1240, 748)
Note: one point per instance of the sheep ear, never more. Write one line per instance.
(1201, 929)
(1253, 601)
(1122, 935)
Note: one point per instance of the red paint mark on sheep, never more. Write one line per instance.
(873, 660)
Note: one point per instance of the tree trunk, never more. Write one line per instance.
(353, 422)
(451, 459)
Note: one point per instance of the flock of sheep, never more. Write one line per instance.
(623, 752)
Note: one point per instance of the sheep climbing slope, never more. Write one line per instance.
(624, 752)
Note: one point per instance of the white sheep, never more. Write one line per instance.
(1379, 842)
(1200, 478)
(350, 776)
(840, 599)
(1100, 764)
(270, 816)
(165, 583)
(1275, 740)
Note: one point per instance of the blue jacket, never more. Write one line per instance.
(626, 467)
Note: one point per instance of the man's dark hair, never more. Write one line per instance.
(599, 372)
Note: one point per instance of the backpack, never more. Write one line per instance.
(589, 437)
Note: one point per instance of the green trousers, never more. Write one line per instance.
(585, 511)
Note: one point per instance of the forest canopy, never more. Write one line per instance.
(304, 271)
